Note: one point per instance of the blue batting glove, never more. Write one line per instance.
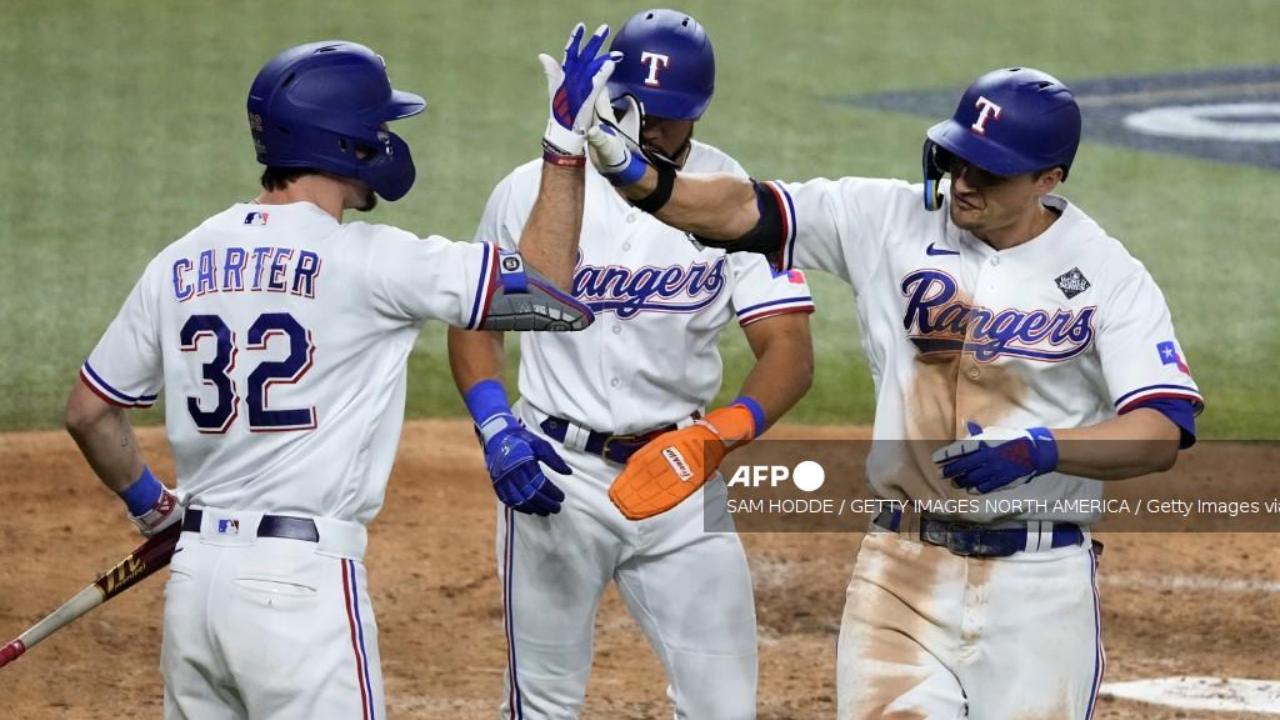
(573, 85)
(998, 457)
(512, 454)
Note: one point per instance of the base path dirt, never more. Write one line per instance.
(1173, 604)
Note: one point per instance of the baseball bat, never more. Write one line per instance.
(152, 555)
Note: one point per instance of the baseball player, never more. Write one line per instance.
(648, 365)
(280, 335)
(1010, 321)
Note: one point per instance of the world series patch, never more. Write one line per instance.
(1072, 283)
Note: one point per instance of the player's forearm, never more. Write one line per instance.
(783, 371)
(716, 206)
(105, 437)
(475, 355)
(1137, 443)
(550, 239)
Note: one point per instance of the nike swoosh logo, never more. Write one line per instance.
(931, 250)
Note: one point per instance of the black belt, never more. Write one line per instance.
(614, 448)
(273, 526)
(975, 540)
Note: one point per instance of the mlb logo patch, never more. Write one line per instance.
(1169, 356)
(228, 526)
(256, 218)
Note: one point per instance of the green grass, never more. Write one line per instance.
(123, 127)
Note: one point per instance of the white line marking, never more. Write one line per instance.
(1201, 693)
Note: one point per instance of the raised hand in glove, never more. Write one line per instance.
(672, 466)
(573, 85)
(998, 457)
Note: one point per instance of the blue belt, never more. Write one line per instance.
(273, 526)
(614, 448)
(975, 540)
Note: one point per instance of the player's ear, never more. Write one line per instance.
(1047, 180)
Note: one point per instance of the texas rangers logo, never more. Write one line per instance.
(938, 322)
(987, 110)
(628, 291)
(655, 62)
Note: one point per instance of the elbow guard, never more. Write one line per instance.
(523, 299)
(768, 237)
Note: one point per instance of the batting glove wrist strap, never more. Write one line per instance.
(487, 401)
(995, 458)
(142, 495)
(163, 509)
(759, 420)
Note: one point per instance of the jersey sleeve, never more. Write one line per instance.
(505, 214)
(838, 226)
(1141, 358)
(126, 367)
(432, 278)
(760, 291)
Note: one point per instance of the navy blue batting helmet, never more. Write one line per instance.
(323, 105)
(1008, 122)
(668, 64)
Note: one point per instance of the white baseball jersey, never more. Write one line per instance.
(280, 337)
(1065, 330)
(650, 359)
(660, 300)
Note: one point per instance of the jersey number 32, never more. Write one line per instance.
(216, 373)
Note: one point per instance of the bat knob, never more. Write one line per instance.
(10, 652)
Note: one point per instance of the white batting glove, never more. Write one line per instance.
(573, 86)
(166, 511)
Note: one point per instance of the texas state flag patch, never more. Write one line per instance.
(1169, 356)
(795, 277)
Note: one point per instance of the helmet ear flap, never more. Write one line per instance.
(935, 160)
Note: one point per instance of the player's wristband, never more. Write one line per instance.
(654, 201)
(553, 157)
(485, 400)
(758, 418)
(142, 495)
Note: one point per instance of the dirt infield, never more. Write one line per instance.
(1203, 604)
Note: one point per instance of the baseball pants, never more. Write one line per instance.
(269, 628)
(930, 634)
(689, 590)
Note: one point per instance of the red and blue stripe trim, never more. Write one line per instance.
(1100, 655)
(352, 595)
(514, 700)
(1131, 399)
(760, 311)
(486, 287)
(786, 252)
(103, 389)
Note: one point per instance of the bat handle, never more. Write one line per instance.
(12, 651)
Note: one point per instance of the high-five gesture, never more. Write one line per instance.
(573, 86)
